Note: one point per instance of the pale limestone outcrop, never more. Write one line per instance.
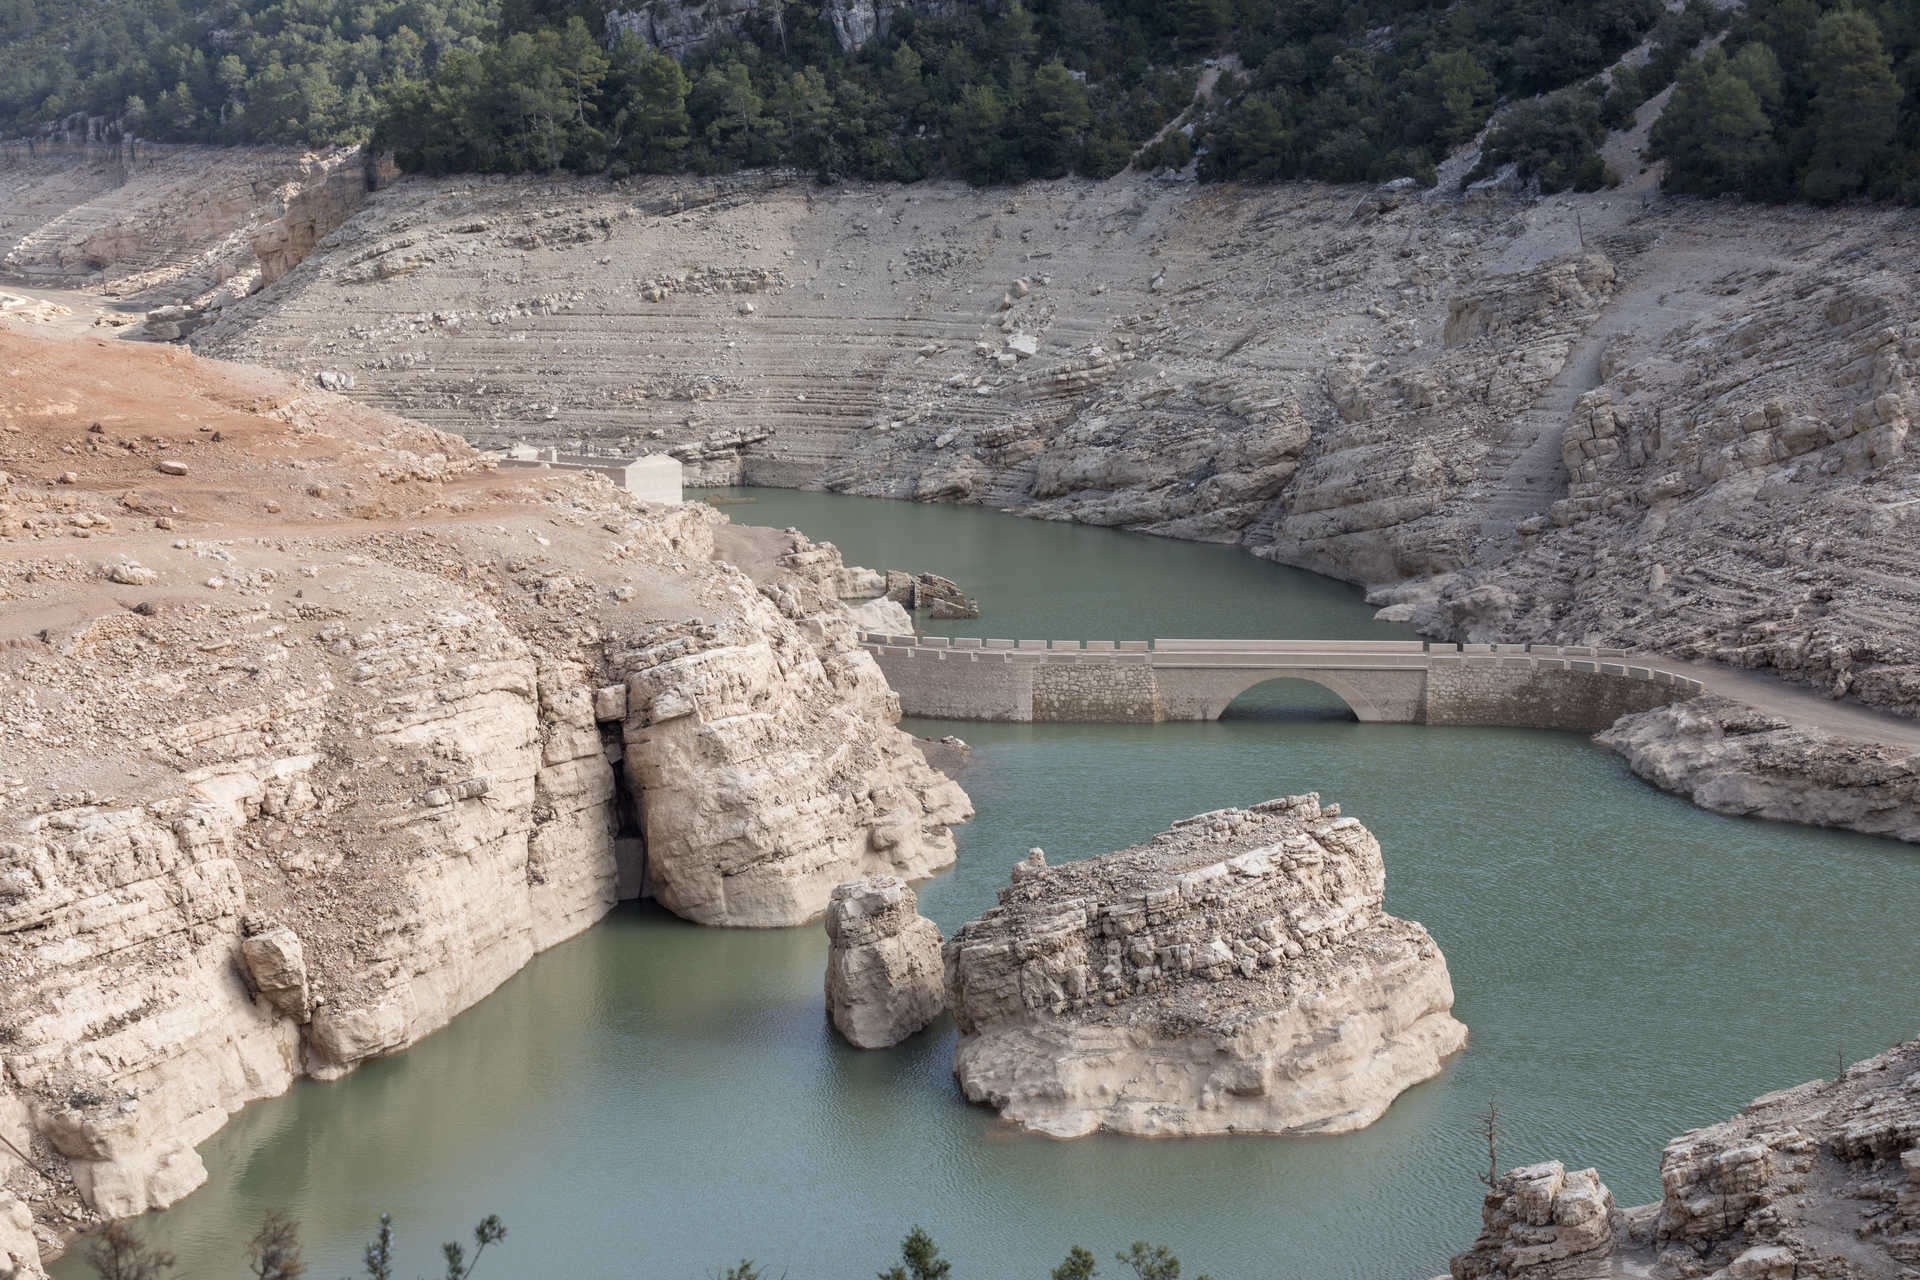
(764, 785)
(1731, 758)
(1542, 1222)
(1817, 1182)
(19, 1251)
(1739, 483)
(888, 617)
(884, 978)
(319, 793)
(1236, 975)
(1674, 427)
(278, 965)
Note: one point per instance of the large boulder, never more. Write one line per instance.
(278, 965)
(884, 979)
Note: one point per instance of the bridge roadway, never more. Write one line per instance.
(1391, 681)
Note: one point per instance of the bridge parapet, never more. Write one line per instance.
(1580, 687)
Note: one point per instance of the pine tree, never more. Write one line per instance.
(1715, 133)
(919, 1259)
(1856, 102)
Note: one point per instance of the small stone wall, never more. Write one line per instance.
(1584, 696)
(959, 686)
(1080, 693)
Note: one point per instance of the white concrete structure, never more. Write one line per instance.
(655, 477)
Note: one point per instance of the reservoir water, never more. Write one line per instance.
(654, 1099)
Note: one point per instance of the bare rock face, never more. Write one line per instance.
(337, 786)
(1731, 758)
(884, 979)
(1667, 427)
(764, 788)
(204, 224)
(889, 617)
(940, 597)
(19, 1251)
(1817, 1182)
(1235, 975)
(1543, 1223)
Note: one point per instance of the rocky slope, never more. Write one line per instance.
(315, 728)
(1817, 1182)
(1606, 419)
(1236, 975)
(1740, 485)
(149, 225)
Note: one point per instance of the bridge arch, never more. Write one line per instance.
(1336, 700)
(1209, 693)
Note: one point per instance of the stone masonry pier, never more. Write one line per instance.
(1390, 681)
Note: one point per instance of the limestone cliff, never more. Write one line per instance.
(1236, 975)
(1817, 1182)
(315, 728)
(1739, 480)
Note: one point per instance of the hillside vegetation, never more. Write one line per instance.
(1799, 99)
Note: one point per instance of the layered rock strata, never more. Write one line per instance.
(1817, 1182)
(164, 224)
(1643, 423)
(884, 977)
(940, 597)
(315, 728)
(1236, 975)
(1740, 483)
(1543, 1222)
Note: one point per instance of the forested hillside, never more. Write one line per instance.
(1804, 98)
(230, 71)
(1809, 99)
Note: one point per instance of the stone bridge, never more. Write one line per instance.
(1391, 681)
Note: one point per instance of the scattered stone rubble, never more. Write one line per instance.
(1235, 975)
(1818, 1182)
(884, 980)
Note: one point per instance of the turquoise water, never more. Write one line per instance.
(656, 1099)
